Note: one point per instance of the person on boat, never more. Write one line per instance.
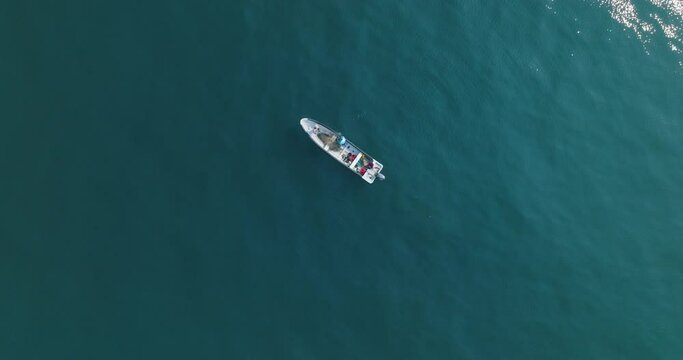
(363, 170)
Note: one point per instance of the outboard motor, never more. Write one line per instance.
(380, 176)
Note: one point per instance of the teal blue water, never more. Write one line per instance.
(158, 199)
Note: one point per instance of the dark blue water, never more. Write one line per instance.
(158, 199)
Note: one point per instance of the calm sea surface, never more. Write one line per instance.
(158, 199)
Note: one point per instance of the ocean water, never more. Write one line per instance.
(158, 199)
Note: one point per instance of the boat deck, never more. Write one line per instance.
(348, 154)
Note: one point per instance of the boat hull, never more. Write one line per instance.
(343, 150)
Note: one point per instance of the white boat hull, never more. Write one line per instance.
(348, 154)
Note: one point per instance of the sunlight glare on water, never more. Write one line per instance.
(656, 20)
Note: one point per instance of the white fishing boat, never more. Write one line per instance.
(350, 155)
